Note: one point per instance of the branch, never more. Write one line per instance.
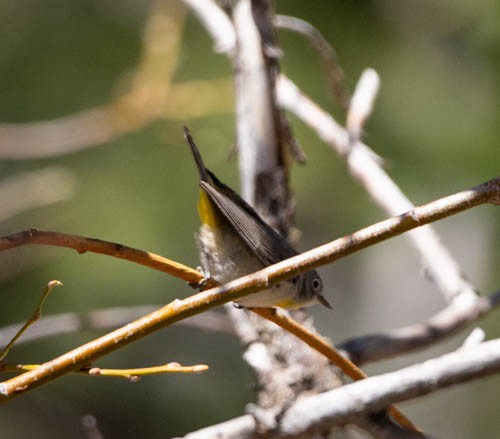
(462, 311)
(343, 405)
(33, 318)
(177, 310)
(132, 375)
(325, 51)
(350, 404)
(217, 24)
(84, 244)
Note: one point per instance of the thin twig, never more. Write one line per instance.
(462, 311)
(217, 24)
(361, 105)
(84, 244)
(134, 374)
(488, 192)
(325, 51)
(34, 317)
(129, 374)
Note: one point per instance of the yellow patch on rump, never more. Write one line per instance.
(206, 210)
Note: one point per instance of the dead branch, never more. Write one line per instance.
(461, 312)
(325, 51)
(350, 404)
(341, 406)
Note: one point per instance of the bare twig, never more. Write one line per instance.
(134, 374)
(83, 244)
(180, 309)
(65, 135)
(34, 317)
(325, 51)
(217, 24)
(129, 374)
(462, 311)
(361, 105)
(476, 337)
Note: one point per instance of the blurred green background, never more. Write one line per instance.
(436, 121)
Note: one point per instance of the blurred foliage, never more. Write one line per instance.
(436, 121)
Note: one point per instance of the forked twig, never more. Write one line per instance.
(34, 317)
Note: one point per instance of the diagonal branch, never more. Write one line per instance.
(462, 311)
(177, 310)
(343, 405)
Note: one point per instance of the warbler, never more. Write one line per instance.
(234, 241)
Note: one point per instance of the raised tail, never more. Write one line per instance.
(204, 176)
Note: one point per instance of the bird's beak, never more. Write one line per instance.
(323, 301)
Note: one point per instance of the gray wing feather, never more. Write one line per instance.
(267, 244)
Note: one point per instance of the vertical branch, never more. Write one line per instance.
(263, 168)
(284, 366)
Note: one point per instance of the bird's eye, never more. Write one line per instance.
(317, 285)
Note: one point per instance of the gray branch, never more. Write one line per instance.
(460, 313)
(351, 403)
(345, 404)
